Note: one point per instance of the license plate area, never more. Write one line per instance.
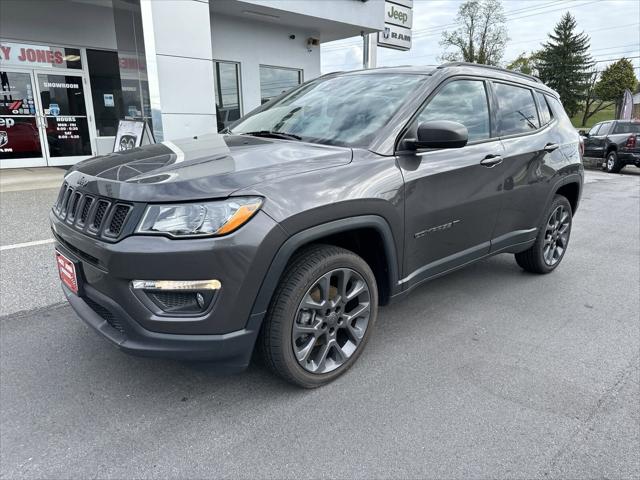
(68, 272)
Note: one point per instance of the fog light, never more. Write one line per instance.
(176, 284)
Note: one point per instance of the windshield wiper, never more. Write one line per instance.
(273, 134)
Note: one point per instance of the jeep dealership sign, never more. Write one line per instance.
(398, 20)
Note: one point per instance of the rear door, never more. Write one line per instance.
(451, 198)
(532, 155)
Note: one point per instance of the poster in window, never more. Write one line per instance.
(132, 134)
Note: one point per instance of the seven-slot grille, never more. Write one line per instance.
(94, 215)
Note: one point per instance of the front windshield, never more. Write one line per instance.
(347, 110)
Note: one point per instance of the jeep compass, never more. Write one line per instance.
(284, 234)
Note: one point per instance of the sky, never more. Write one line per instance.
(613, 26)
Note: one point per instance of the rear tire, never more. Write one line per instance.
(320, 316)
(612, 163)
(552, 241)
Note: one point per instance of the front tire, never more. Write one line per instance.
(320, 317)
(552, 241)
(612, 163)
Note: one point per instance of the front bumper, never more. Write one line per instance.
(225, 332)
(231, 352)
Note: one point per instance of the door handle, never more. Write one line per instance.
(550, 147)
(491, 161)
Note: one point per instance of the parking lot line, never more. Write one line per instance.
(26, 244)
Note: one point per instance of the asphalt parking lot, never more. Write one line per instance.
(488, 372)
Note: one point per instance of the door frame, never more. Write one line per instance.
(46, 159)
(27, 162)
(81, 74)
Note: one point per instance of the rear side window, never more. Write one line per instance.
(462, 101)
(544, 111)
(517, 111)
(626, 128)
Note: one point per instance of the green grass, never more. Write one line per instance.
(601, 116)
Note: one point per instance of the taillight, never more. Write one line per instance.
(631, 141)
(581, 144)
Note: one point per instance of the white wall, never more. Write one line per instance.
(58, 22)
(368, 14)
(254, 43)
(184, 77)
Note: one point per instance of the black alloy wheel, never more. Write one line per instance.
(331, 320)
(320, 317)
(552, 239)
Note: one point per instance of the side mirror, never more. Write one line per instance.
(438, 134)
(582, 133)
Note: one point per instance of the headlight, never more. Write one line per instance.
(199, 219)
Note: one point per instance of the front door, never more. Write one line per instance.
(64, 117)
(21, 136)
(452, 196)
(594, 144)
(43, 119)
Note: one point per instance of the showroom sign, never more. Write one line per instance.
(398, 21)
(46, 56)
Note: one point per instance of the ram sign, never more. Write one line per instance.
(398, 18)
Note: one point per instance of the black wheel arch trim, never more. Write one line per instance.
(564, 180)
(300, 239)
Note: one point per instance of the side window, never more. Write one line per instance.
(545, 113)
(516, 109)
(604, 128)
(594, 130)
(462, 101)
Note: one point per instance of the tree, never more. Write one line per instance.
(615, 79)
(481, 36)
(524, 64)
(565, 64)
(592, 104)
(608, 89)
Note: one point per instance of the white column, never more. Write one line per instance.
(177, 42)
(370, 50)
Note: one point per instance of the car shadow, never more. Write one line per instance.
(83, 365)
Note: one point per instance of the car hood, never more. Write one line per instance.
(204, 167)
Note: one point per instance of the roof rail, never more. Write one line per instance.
(491, 67)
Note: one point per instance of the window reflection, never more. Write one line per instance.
(462, 101)
(346, 110)
(545, 112)
(516, 109)
(275, 80)
(228, 108)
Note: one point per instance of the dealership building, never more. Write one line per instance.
(70, 70)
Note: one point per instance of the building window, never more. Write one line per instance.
(228, 108)
(276, 80)
(106, 90)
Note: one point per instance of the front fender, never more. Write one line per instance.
(282, 257)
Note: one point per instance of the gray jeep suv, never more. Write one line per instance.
(286, 233)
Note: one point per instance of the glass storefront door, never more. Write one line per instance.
(43, 119)
(65, 120)
(21, 140)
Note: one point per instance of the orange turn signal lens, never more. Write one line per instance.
(239, 218)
